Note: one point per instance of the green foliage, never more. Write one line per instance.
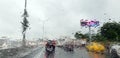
(85, 35)
(98, 38)
(79, 35)
(111, 31)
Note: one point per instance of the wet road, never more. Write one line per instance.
(60, 53)
(36, 54)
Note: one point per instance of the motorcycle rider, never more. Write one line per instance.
(50, 49)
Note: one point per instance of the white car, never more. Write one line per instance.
(115, 51)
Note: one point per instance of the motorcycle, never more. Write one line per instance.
(49, 51)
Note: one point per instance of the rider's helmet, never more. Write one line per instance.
(49, 42)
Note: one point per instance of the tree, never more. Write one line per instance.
(98, 37)
(111, 30)
(78, 35)
(25, 24)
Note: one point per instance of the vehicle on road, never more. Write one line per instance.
(95, 47)
(49, 49)
(68, 46)
(115, 50)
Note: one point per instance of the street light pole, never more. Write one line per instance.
(44, 28)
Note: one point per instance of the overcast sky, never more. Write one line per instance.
(62, 17)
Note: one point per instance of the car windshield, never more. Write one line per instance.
(59, 28)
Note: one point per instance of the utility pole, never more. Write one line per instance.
(25, 24)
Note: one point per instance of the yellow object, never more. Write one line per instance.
(95, 47)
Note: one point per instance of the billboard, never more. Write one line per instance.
(89, 23)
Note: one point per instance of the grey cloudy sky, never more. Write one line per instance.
(62, 16)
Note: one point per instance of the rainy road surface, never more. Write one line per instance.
(60, 53)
